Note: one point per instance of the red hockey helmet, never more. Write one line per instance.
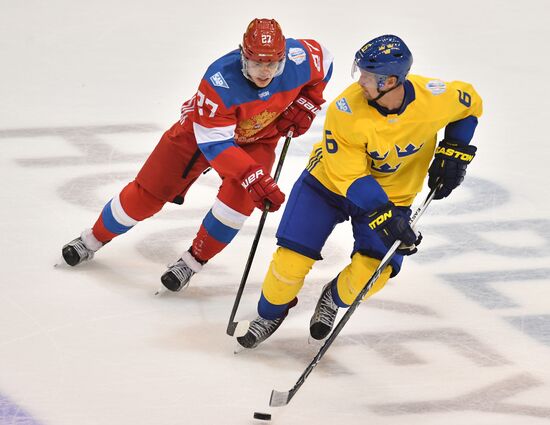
(264, 41)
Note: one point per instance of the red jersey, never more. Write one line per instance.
(228, 110)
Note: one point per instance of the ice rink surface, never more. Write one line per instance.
(461, 336)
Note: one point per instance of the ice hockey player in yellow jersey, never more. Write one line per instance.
(379, 143)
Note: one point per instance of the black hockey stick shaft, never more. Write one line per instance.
(280, 398)
(232, 325)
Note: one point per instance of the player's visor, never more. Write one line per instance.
(257, 69)
(366, 78)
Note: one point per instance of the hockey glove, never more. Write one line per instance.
(261, 187)
(391, 224)
(449, 166)
(299, 114)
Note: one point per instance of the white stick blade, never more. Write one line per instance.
(279, 398)
(242, 328)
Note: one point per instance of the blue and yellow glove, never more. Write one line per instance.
(391, 224)
(449, 166)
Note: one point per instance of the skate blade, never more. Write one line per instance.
(60, 262)
(239, 349)
(315, 342)
(161, 291)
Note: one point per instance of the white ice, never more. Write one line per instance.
(462, 336)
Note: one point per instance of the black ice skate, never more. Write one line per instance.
(324, 315)
(81, 249)
(260, 329)
(179, 274)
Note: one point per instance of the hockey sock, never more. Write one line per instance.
(283, 280)
(124, 211)
(220, 225)
(353, 278)
(271, 311)
(334, 292)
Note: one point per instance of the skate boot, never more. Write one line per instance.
(179, 274)
(324, 315)
(260, 329)
(81, 249)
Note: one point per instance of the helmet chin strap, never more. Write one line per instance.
(382, 93)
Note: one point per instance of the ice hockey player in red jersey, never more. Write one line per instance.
(245, 102)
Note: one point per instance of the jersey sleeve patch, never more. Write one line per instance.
(342, 105)
(218, 80)
(297, 55)
(436, 87)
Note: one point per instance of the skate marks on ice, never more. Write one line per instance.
(483, 287)
(510, 246)
(487, 290)
(122, 277)
(389, 346)
(514, 239)
(392, 346)
(91, 141)
(482, 195)
(536, 326)
(489, 399)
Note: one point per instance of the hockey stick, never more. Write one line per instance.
(232, 325)
(282, 398)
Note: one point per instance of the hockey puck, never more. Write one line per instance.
(262, 416)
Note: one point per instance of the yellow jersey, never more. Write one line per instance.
(395, 149)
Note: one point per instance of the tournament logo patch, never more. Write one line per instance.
(436, 87)
(218, 80)
(297, 55)
(343, 106)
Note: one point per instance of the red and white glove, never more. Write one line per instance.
(299, 114)
(261, 187)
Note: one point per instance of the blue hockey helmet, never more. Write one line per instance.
(384, 56)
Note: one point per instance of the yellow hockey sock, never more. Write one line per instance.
(285, 276)
(354, 277)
